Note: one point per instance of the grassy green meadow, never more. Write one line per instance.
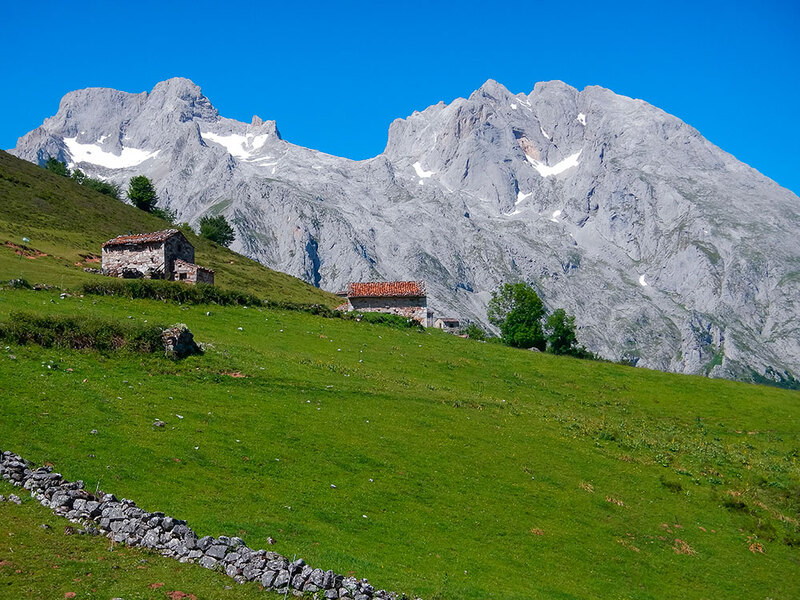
(462, 470)
(46, 563)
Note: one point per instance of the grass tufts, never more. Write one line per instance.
(80, 333)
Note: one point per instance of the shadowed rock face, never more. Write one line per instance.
(671, 253)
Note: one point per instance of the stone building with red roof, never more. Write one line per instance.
(404, 298)
(158, 255)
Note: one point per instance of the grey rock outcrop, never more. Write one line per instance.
(671, 253)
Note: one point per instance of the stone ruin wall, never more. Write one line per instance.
(145, 259)
(126, 523)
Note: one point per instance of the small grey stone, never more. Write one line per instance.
(268, 578)
(217, 552)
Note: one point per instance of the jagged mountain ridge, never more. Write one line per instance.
(671, 253)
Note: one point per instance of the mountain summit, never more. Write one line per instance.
(671, 253)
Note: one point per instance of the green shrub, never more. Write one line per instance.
(104, 187)
(217, 229)
(378, 318)
(154, 289)
(474, 332)
(81, 333)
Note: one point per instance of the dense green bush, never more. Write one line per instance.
(517, 310)
(377, 318)
(217, 229)
(154, 289)
(80, 332)
(473, 332)
(142, 193)
(104, 187)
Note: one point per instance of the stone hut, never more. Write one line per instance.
(449, 325)
(192, 273)
(404, 298)
(158, 255)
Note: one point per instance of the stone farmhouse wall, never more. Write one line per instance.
(141, 260)
(177, 247)
(411, 308)
(126, 523)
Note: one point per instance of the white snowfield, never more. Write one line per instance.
(582, 119)
(422, 173)
(642, 282)
(544, 133)
(559, 167)
(521, 197)
(555, 216)
(239, 146)
(94, 154)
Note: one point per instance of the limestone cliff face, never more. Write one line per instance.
(671, 253)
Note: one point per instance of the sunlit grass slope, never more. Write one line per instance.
(39, 559)
(461, 470)
(66, 224)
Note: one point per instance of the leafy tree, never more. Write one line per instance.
(561, 336)
(217, 229)
(104, 187)
(517, 310)
(142, 193)
(56, 166)
(78, 175)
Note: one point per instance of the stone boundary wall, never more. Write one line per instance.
(125, 523)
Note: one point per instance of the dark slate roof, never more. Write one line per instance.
(386, 289)
(142, 238)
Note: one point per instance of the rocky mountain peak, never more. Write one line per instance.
(182, 98)
(671, 254)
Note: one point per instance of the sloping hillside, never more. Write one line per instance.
(430, 464)
(66, 224)
(461, 470)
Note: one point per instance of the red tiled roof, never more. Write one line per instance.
(142, 238)
(386, 289)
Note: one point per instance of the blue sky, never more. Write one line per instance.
(335, 74)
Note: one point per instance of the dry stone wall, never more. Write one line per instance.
(126, 523)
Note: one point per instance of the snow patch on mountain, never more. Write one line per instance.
(94, 154)
(239, 146)
(422, 173)
(556, 169)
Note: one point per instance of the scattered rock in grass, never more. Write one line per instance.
(158, 423)
(179, 341)
(14, 499)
